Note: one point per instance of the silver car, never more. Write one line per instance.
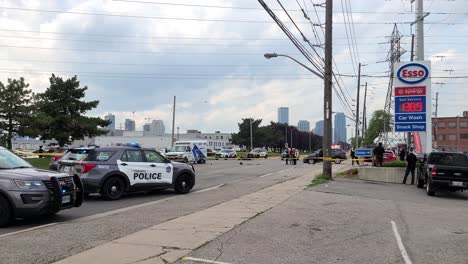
(26, 191)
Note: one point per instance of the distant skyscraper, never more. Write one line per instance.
(111, 118)
(147, 127)
(303, 126)
(340, 128)
(129, 125)
(283, 115)
(319, 128)
(157, 127)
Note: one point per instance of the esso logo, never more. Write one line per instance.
(412, 73)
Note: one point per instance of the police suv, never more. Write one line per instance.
(113, 171)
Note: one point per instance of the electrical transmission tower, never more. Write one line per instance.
(390, 138)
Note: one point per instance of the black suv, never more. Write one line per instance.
(317, 156)
(113, 171)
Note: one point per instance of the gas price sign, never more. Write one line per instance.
(410, 96)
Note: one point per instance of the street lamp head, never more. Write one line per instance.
(270, 55)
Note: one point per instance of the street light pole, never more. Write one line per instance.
(173, 122)
(251, 138)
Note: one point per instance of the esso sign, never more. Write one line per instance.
(412, 73)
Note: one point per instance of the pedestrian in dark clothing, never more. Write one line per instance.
(353, 157)
(378, 154)
(411, 160)
(287, 156)
(402, 154)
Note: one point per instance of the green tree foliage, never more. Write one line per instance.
(15, 109)
(380, 122)
(273, 136)
(61, 112)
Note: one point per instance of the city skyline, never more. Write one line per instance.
(339, 128)
(303, 126)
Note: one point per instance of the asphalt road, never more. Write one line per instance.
(98, 222)
(211, 174)
(350, 221)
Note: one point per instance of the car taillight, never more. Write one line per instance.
(87, 167)
(56, 158)
(434, 172)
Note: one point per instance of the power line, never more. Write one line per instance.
(291, 10)
(143, 64)
(197, 19)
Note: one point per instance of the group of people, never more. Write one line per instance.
(404, 155)
(291, 156)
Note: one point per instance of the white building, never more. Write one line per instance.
(146, 139)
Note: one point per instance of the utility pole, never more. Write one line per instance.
(426, 137)
(356, 141)
(435, 123)
(408, 135)
(364, 113)
(251, 136)
(173, 122)
(328, 84)
(286, 135)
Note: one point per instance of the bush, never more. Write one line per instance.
(395, 164)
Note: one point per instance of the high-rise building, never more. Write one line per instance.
(147, 127)
(319, 128)
(339, 131)
(283, 115)
(129, 125)
(157, 127)
(110, 117)
(303, 125)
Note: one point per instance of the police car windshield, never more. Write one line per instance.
(9, 160)
(178, 148)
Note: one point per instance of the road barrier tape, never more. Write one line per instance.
(38, 154)
(338, 159)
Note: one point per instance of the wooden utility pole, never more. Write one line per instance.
(173, 121)
(364, 114)
(328, 83)
(356, 141)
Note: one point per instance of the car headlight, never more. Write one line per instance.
(30, 185)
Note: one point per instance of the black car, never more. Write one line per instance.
(443, 170)
(113, 171)
(317, 156)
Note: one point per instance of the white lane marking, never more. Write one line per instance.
(204, 260)
(209, 189)
(27, 230)
(269, 174)
(403, 252)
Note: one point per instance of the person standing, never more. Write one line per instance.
(411, 160)
(286, 157)
(402, 154)
(353, 157)
(378, 154)
(291, 156)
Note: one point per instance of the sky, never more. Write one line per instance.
(136, 55)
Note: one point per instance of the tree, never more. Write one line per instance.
(379, 123)
(15, 108)
(61, 112)
(242, 138)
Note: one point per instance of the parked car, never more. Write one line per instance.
(26, 191)
(443, 170)
(389, 156)
(226, 153)
(317, 156)
(210, 152)
(114, 171)
(258, 153)
(69, 155)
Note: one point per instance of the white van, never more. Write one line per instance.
(188, 151)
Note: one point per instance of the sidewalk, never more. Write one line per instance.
(174, 239)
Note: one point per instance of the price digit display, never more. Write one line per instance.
(411, 107)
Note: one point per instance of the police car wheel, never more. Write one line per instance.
(183, 184)
(113, 188)
(5, 211)
(185, 160)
